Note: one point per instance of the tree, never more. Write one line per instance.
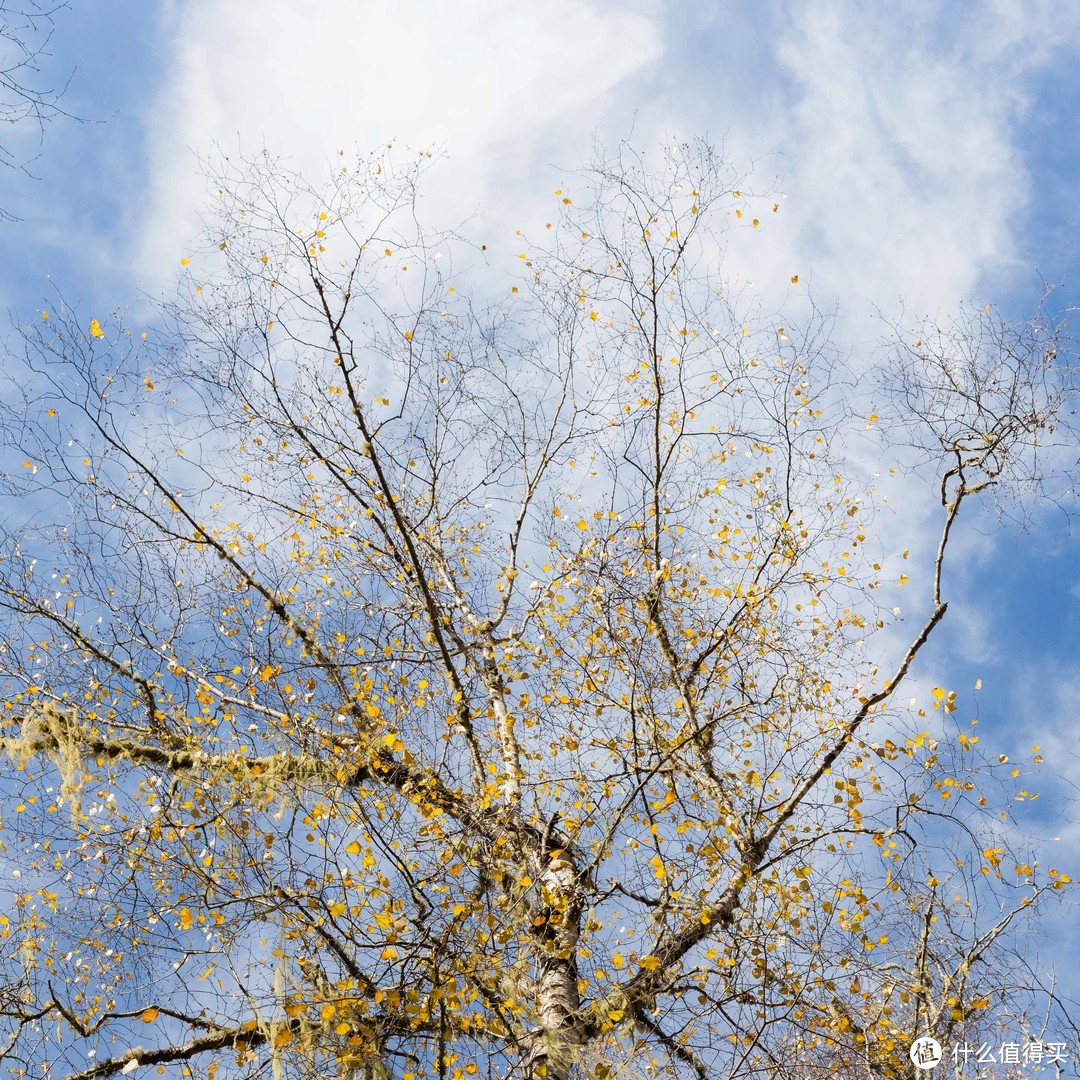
(418, 686)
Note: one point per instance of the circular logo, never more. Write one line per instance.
(925, 1053)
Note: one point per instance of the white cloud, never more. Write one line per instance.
(490, 81)
(894, 129)
(897, 129)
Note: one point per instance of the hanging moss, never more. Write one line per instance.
(58, 734)
(55, 732)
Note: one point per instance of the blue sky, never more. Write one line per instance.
(929, 152)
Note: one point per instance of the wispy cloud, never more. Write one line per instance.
(894, 130)
(897, 129)
(491, 82)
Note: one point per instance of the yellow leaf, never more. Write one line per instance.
(95, 329)
(343, 1028)
(283, 1038)
(408, 335)
(354, 848)
(149, 1015)
(794, 279)
(650, 963)
(186, 918)
(328, 1010)
(389, 953)
(337, 909)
